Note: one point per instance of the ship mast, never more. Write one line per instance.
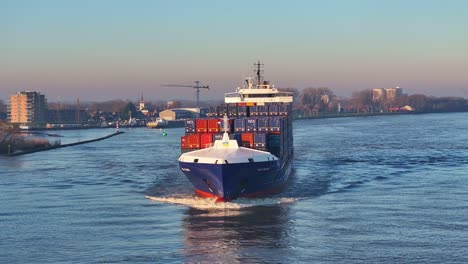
(259, 71)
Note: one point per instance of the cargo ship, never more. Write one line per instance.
(245, 146)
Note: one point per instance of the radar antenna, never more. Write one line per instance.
(259, 71)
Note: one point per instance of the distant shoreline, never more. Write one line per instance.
(340, 115)
(365, 114)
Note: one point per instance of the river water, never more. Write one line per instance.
(390, 189)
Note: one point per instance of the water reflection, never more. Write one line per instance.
(237, 236)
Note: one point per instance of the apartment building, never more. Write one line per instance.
(27, 108)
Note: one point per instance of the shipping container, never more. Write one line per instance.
(206, 140)
(213, 111)
(262, 110)
(242, 111)
(239, 125)
(247, 140)
(223, 110)
(201, 125)
(190, 126)
(263, 124)
(253, 110)
(273, 109)
(260, 141)
(284, 109)
(251, 125)
(190, 141)
(214, 125)
(276, 124)
(232, 110)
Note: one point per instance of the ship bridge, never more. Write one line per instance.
(262, 93)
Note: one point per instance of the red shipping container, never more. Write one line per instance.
(214, 125)
(206, 140)
(201, 126)
(183, 142)
(190, 141)
(248, 140)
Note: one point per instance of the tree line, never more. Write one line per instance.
(311, 100)
(323, 100)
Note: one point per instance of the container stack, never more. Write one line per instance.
(266, 127)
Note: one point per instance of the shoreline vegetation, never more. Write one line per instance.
(16, 143)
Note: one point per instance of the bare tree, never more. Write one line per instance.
(419, 102)
(362, 100)
(314, 100)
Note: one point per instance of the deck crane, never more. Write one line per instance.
(197, 86)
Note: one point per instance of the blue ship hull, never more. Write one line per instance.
(230, 181)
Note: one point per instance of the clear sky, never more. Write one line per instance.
(99, 50)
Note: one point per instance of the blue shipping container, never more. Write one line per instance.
(251, 125)
(260, 141)
(190, 126)
(239, 125)
(262, 125)
(253, 111)
(262, 110)
(275, 124)
(241, 111)
(273, 109)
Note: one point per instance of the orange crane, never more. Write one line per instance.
(197, 86)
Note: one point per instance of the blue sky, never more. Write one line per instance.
(99, 50)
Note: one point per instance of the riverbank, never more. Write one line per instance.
(338, 115)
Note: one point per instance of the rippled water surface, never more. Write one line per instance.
(363, 190)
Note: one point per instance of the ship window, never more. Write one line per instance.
(216, 162)
(195, 160)
(226, 161)
(251, 160)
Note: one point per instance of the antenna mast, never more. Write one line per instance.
(259, 71)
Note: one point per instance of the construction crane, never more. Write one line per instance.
(197, 86)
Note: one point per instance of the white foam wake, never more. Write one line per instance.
(209, 203)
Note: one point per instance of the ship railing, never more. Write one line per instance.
(232, 95)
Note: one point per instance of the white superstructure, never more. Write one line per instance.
(260, 93)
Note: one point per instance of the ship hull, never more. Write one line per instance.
(230, 181)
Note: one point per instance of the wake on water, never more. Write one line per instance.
(210, 204)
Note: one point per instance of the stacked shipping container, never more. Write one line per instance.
(265, 127)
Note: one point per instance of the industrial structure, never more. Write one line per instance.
(197, 86)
